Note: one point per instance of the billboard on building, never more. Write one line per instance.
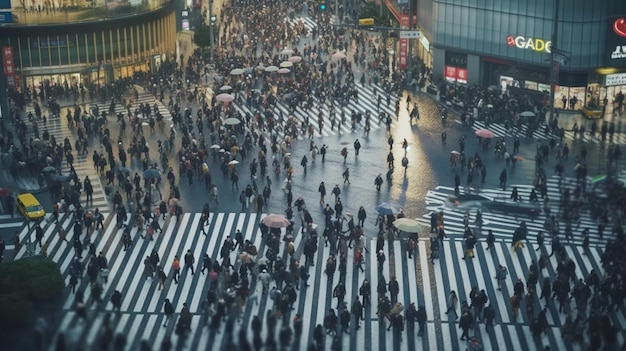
(616, 42)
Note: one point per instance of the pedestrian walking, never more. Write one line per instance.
(346, 176)
(176, 268)
(491, 239)
(410, 247)
(322, 190)
(358, 259)
(116, 300)
(38, 234)
(470, 241)
(357, 147)
(357, 311)
(515, 305)
(162, 278)
(365, 290)
(421, 320)
(503, 179)
(453, 302)
(501, 274)
(168, 309)
(189, 261)
(465, 324)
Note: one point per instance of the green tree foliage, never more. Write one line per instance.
(202, 36)
(28, 279)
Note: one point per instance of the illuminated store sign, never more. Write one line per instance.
(615, 79)
(534, 44)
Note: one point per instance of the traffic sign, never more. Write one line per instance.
(409, 34)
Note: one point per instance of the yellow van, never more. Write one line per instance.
(30, 207)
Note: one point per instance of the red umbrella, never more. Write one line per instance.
(485, 133)
(275, 221)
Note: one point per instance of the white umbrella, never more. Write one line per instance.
(215, 146)
(271, 69)
(236, 72)
(287, 52)
(233, 162)
(339, 56)
(225, 97)
(260, 67)
(527, 114)
(231, 121)
(295, 59)
(286, 64)
(226, 87)
(284, 70)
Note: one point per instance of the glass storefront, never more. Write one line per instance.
(91, 52)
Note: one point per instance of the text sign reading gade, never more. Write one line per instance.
(615, 79)
(534, 44)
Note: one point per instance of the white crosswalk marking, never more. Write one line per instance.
(367, 102)
(501, 131)
(142, 316)
(503, 225)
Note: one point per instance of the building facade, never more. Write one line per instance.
(511, 43)
(86, 42)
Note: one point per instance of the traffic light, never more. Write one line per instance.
(323, 6)
(366, 22)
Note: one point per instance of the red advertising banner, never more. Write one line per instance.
(450, 73)
(455, 74)
(461, 75)
(404, 44)
(9, 65)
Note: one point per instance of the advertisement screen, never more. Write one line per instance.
(616, 42)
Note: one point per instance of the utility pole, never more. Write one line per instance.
(409, 63)
(212, 19)
(554, 65)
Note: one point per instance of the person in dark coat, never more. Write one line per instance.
(330, 322)
(421, 319)
(168, 309)
(464, 324)
(345, 320)
(116, 300)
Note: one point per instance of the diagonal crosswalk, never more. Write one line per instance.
(83, 163)
(503, 225)
(367, 102)
(501, 131)
(421, 282)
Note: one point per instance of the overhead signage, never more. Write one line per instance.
(404, 44)
(409, 34)
(615, 79)
(535, 44)
(616, 42)
(9, 65)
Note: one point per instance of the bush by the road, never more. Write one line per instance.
(28, 279)
(13, 311)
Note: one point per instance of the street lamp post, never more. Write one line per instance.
(212, 19)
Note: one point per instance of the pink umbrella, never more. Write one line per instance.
(485, 133)
(339, 56)
(284, 70)
(275, 221)
(225, 97)
(295, 59)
